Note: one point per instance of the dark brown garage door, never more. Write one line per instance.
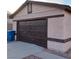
(33, 32)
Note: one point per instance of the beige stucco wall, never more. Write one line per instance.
(22, 13)
(67, 46)
(59, 47)
(9, 24)
(59, 28)
(14, 26)
(67, 25)
(55, 28)
(67, 29)
(36, 10)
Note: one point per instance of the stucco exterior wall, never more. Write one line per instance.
(67, 25)
(67, 46)
(40, 15)
(59, 47)
(9, 24)
(22, 13)
(55, 28)
(15, 26)
(59, 28)
(36, 10)
(67, 29)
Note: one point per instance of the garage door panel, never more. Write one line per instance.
(33, 32)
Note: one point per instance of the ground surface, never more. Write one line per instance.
(19, 50)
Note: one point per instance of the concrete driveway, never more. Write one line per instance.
(19, 50)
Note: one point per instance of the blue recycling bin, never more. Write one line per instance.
(10, 36)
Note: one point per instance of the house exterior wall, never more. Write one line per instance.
(14, 28)
(67, 29)
(59, 28)
(9, 21)
(22, 13)
(67, 25)
(56, 46)
(67, 46)
(55, 28)
(9, 24)
(59, 47)
(36, 10)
